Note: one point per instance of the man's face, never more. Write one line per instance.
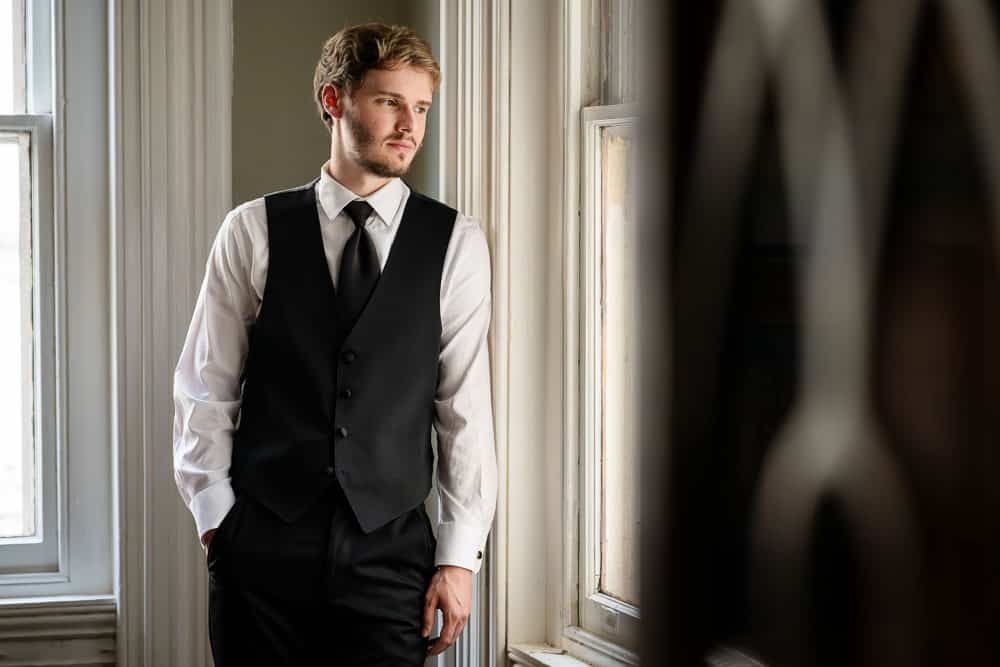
(384, 120)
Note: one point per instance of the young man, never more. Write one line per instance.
(336, 324)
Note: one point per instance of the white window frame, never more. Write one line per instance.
(38, 552)
(36, 558)
(603, 622)
(71, 552)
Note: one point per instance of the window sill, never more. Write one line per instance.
(582, 650)
(542, 655)
(597, 650)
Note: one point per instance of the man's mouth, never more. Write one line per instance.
(403, 145)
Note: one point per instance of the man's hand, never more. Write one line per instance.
(451, 592)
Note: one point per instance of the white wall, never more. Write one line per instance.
(535, 438)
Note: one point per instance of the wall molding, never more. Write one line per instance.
(474, 177)
(58, 632)
(171, 81)
(499, 228)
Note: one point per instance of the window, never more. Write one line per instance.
(609, 534)
(604, 561)
(51, 521)
(28, 542)
(18, 502)
(28, 529)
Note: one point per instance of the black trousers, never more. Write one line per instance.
(318, 591)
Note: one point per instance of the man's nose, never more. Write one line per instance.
(405, 120)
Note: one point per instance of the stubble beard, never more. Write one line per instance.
(366, 144)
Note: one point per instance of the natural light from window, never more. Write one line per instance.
(619, 576)
(17, 511)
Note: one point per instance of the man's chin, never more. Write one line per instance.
(386, 170)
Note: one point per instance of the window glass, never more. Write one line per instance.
(17, 452)
(620, 363)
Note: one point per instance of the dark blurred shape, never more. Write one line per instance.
(736, 252)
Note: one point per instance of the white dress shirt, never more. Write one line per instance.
(207, 389)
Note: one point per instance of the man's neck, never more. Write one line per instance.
(354, 178)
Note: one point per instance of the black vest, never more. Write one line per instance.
(317, 412)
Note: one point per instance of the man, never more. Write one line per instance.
(336, 324)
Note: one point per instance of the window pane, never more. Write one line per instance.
(17, 451)
(619, 575)
(11, 56)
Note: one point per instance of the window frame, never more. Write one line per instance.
(65, 60)
(38, 552)
(600, 618)
(40, 558)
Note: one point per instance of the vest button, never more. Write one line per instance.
(349, 356)
(346, 392)
(329, 470)
(342, 431)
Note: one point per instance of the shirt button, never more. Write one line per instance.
(346, 392)
(349, 356)
(342, 431)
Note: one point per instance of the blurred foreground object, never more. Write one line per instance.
(833, 200)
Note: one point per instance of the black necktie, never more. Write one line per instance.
(359, 269)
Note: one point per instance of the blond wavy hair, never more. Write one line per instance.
(350, 53)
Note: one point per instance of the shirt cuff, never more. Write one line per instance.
(459, 545)
(210, 505)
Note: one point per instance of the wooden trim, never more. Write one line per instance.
(47, 632)
(499, 237)
(541, 655)
(474, 175)
(171, 187)
(571, 103)
(597, 650)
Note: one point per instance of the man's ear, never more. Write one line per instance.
(331, 97)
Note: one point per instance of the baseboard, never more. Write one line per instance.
(58, 633)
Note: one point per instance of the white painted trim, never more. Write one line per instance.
(571, 102)
(65, 617)
(498, 226)
(171, 150)
(583, 649)
(541, 655)
(64, 632)
(473, 176)
(597, 650)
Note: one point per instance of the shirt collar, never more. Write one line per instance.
(385, 201)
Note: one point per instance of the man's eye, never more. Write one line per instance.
(421, 109)
(390, 102)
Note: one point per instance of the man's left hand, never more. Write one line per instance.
(451, 592)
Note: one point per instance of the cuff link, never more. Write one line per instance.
(479, 555)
